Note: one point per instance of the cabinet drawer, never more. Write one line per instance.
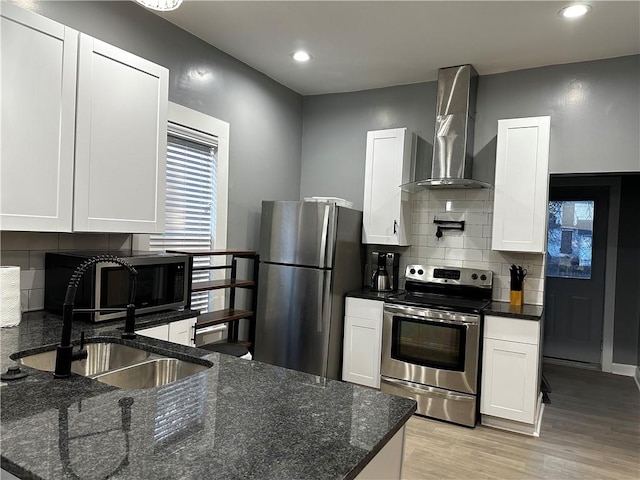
(361, 308)
(512, 329)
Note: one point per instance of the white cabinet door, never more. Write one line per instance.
(161, 332)
(39, 63)
(521, 186)
(509, 380)
(362, 342)
(389, 163)
(120, 141)
(182, 332)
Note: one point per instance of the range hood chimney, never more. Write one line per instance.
(453, 140)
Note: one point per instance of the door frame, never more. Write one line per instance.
(613, 182)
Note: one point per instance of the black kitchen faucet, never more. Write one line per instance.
(64, 353)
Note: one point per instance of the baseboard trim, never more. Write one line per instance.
(623, 369)
(571, 363)
(636, 377)
(533, 430)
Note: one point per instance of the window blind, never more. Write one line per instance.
(190, 211)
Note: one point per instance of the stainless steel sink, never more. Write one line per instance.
(101, 357)
(151, 374)
(121, 366)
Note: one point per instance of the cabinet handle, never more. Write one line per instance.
(395, 227)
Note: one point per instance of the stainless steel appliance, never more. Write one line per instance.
(391, 263)
(163, 283)
(451, 165)
(431, 340)
(310, 256)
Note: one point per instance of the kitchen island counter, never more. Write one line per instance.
(238, 419)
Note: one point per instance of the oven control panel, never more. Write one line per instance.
(449, 275)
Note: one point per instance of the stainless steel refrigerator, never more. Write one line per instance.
(310, 256)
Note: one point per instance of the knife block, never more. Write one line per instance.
(516, 297)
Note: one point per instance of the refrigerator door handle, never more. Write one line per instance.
(323, 238)
(324, 321)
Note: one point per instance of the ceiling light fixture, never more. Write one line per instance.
(301, 56)
(160, 5)
(575, 10)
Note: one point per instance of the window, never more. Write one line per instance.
(196, 192)
(569, 239)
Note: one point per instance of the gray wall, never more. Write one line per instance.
(265, 117)
(335, 128)
(627, 318)
(594, 109)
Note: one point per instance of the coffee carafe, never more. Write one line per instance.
(380, 281)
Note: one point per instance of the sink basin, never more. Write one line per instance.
(120, 366)
(101, 357)
(152, 373)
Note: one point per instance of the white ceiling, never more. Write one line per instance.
(358, 45)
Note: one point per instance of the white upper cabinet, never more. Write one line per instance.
(39, 64)
(389, 164)
(522, 184)
(120, 141)
(83, 133)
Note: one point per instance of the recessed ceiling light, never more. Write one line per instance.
(575, 10)
(301, 56)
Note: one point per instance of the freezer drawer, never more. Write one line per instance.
(292, 324)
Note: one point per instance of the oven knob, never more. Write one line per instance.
(474, 276)
(420, 272)
(412, 271)
(483, 277)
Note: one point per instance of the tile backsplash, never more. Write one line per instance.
(472, 247)
(26, 250)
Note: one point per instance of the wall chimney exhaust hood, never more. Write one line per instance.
(453, 140)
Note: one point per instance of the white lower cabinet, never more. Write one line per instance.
(161, 332)
(510, 396)
(362, 341)
(180, 331)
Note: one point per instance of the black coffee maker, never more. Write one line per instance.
(383, 271)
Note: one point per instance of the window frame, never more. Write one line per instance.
(180, 116)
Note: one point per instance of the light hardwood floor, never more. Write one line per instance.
(591, 430)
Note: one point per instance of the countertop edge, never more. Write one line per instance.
(381, 444)
(524, 312)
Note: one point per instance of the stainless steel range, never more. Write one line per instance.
(431, 340)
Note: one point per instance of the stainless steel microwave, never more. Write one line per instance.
(163, 283)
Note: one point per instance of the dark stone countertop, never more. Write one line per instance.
(503, 309)
(523, 312)
(237, 420)
(368, 294)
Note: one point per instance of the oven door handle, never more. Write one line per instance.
(471, 322)
(432, 391)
